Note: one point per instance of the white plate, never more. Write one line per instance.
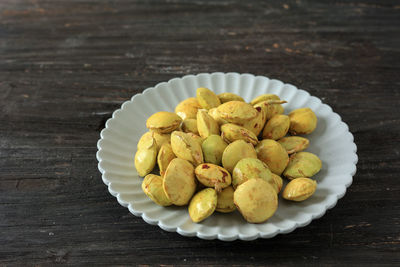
(331, 141)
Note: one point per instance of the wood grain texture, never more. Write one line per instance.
(65, 66)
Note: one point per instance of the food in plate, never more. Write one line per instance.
(220, 153)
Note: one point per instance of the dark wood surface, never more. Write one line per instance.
(65, 66)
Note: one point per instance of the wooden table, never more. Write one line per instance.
(65, 66)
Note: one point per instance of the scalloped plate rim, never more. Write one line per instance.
(219, 236)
